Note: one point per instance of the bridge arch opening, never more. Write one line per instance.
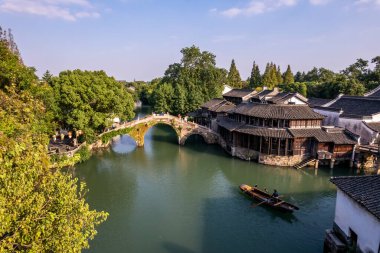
(124, 144)
(161, 132)
(193, 139)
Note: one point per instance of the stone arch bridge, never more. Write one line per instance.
(184, 129)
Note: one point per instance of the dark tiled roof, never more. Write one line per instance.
(274, 111)
(317, 101)
(354, 106)
(283, 97)
(212, 103)
(262, 131)
(229, 124)
(337, 137)
(375, 126)
(365, 190)
(330, 109)
(239, 93)
(373, 93)
(341, 138)
(225, 106)
(263, 94)
(267, 92)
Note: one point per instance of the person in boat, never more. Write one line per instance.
(275, 195)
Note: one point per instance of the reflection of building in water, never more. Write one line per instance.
(357, 215)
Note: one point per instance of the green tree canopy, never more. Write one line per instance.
(195, 79)
(279, 75)
(89, 99)
(47, 77)
(12, 69)
(233, 78)
(255, 78)
(41, 210)
(270, 76)
(299, 77)
(288, 76)
(163, 97)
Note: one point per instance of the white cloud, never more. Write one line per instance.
(367, 2)
(257, 7)
(232, 12)
(319, 2)
(70, 10)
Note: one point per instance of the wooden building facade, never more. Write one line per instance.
(291, 131)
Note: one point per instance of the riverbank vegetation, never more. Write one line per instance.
(41, 210)
(89, 100)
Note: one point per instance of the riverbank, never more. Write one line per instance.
(157, 192)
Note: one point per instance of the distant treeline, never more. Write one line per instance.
(196, 79)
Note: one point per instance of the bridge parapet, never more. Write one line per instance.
(182, 127)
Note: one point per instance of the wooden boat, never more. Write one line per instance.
(267, 199)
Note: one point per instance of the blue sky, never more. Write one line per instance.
(138, 39)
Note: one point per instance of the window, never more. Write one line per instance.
(275, 123)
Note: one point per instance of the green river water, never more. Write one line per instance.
(183, 199)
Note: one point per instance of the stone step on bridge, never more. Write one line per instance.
(184, 129)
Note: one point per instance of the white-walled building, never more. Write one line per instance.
(357, 215)
(226, 88)
(358, 114)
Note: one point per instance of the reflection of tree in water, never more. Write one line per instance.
(111, 188)
(161, 133)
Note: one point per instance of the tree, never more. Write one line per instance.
(288, 76)
(267, 78)
(163, 96)
(234, 79)
(279, 76)
(270, 77)
(41, 210)
(255, 79)
(299, 77)
(376, 61)
(12, 69)
(357, 70)
(47, 77)
(302, 89)
(199, 77)
(88, 99)
(179, 100)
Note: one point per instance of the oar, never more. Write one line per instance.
(259, 203)
(279, 203)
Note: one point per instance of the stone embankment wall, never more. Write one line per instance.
(247, 154)
(280, 160)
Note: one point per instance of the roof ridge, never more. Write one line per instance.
(369, 93)
(360, 97)
(358, 176)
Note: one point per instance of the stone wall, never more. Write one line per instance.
(287, 161)
(247, 154)
(244, 153)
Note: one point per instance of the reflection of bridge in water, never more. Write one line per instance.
(183, 128)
